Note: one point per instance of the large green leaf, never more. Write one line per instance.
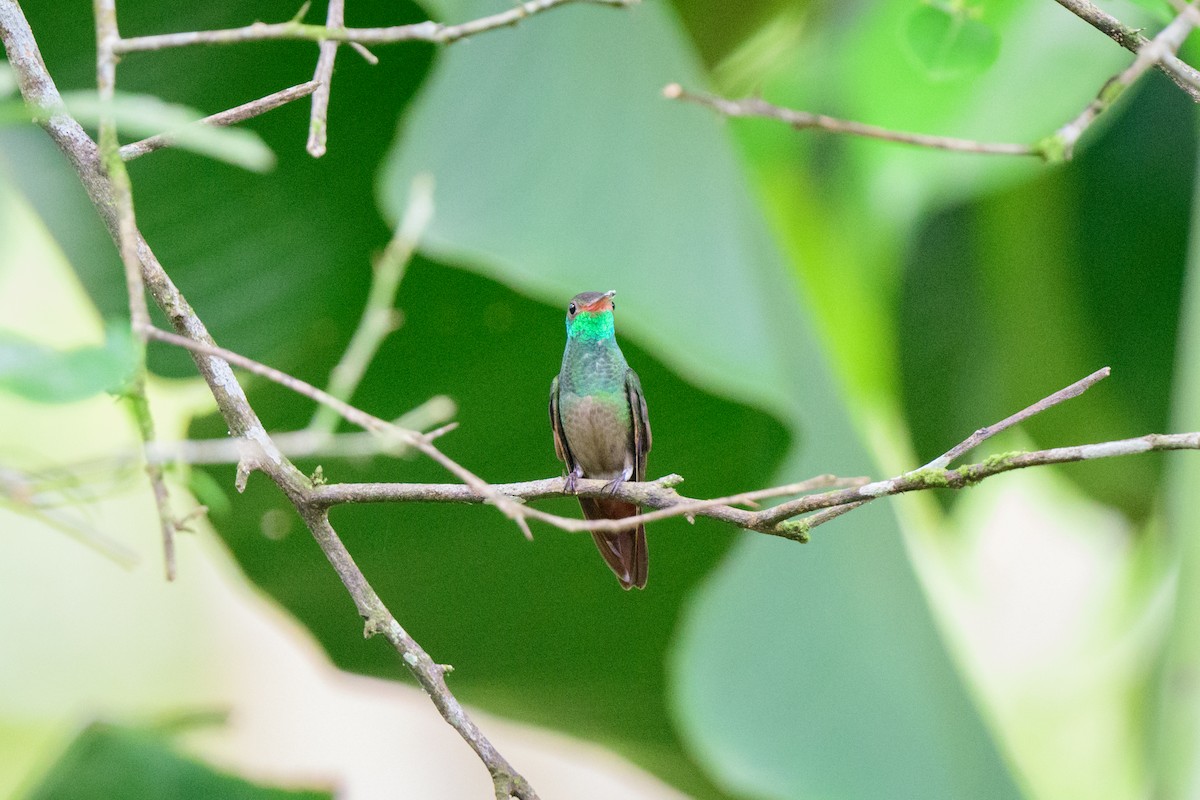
(1051, 280)
(566, 172)
(845, 208)
(1174, 718)
(107, 761)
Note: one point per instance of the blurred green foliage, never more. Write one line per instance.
(779, 294)
(106, 761)
(949, 40)
(46, 375)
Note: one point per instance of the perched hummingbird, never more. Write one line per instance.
(600, 427)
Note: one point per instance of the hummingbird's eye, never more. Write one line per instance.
(571, 309)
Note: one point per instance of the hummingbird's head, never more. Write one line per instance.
(590, 315)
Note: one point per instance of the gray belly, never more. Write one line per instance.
(598, 436)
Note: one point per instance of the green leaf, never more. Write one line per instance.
(142, 116)
(561, 176)
(1098, 277)
(948, 39)
(107, 761)
(1175, 706)
(1160, 10)
(46, 375)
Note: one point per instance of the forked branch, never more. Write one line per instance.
(1059, 146)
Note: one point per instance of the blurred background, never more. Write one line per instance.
(795, 303)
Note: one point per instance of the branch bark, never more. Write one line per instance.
(230, 116)
(126, 238)
(803, 120)
(433, 32)
(1183, 75)
(323, 78)
(1061, 145)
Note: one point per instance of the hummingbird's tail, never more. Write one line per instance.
(625, 552)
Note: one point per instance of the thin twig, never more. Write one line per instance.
(354, 415)
(366, 54)
(419, 441)
(971, 442)
(1185, 76)
(802, 120)
(659, 495)
(430, 31)
(221, 119)
(379, 318)
(983, 434)
(323, 77)
(23, 494)
(774, 520)
(313, 444)
(1061, 144)
(107, 36)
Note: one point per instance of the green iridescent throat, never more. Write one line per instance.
(591, 326)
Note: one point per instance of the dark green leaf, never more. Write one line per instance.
(1174, 718)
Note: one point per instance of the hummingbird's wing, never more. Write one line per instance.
(560, 440)
(625, 551)
(641, 424)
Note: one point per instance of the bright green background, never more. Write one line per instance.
(794, 303)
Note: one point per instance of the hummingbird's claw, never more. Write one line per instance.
(612, 486)
(572, 476)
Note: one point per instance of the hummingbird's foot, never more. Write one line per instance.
(572, 476)
(612, 486)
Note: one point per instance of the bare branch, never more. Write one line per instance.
(778, 520)
(660, 496)
(419, 441)
(802, 120)
(430, 31)
(983, 434)
(1185, 77)
(349, 412)
(313, 444)
(431, 675)
(1061, 145)
(126, 233)
(222, 118)
(380, 317)
(323, 77)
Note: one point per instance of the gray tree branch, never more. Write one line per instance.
(1059, 146)
(434, 32)
(1185, 76)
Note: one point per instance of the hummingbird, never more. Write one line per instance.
(601, 429)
